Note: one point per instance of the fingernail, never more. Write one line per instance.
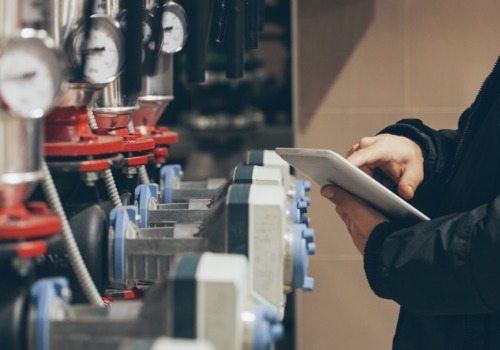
(329, 193)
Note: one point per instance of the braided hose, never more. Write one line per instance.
(143, 174)
(109, 181)
(75, 258)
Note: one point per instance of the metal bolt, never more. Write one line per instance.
(90, 178)
(22, 266)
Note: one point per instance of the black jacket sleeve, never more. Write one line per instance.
(439, 148)
(448, 265)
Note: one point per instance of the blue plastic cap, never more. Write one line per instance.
(311, 248)
(168, 175)
(305, 220)
(143, 195)
(301, 188)
(267, 327)
(119, 218)
(309, 234)
(308, 284)
(302, 206)
(307, 185)
(44, 293)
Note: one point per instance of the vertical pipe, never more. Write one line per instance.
(199, 14)
(235, 38)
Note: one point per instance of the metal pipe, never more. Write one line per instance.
(10, 13)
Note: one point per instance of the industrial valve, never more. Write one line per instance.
(205, 300)
(277, 249)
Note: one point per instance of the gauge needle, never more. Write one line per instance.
(24, 76)
(93, 50)
(168, 29)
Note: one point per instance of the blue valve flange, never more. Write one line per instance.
(45, 293)
(309, 235)
(267, 327)
(301, 261)
(119, 218)
(169, 174)
(295, 214)
(143, 195)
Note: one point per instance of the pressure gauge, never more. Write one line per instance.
(174, 24)
(31, 74)
(103, 51)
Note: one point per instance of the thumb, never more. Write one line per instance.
(408, 183)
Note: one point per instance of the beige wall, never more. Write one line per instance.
(363, 64)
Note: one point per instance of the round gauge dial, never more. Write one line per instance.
(174, 24)
(31, 74)
(104, 50)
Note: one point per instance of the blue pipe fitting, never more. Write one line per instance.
(169, 174)
(295, 214)
(143, 195)
(310, 237)
(45, 293)
(301, 260)
(119, 218)
(301, 189)
(267, 327)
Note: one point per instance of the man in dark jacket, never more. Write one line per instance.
(445, 273)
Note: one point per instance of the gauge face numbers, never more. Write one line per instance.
(31, 77)
(174, 24)
(103, 50)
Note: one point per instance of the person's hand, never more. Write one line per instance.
(398, 157)
(359, 218)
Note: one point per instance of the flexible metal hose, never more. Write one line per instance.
(143, 174)
(109, 180)
(75, 258)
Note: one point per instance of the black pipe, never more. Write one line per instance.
(235, 38)
(132, 75)
(261, 10)
(251, 24)
(199, 14)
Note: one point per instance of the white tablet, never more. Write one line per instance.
(327, 167)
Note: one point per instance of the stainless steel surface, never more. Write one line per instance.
(181, 216)
(86, 327)
(112, 8)
(10, 13)
(113, 117)
(62, 16)
(149, 253)
(78, 94)
(150, 109)
(20, 158)
(112, 108)
(196, 189)
(149, 3)
(162, 83)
